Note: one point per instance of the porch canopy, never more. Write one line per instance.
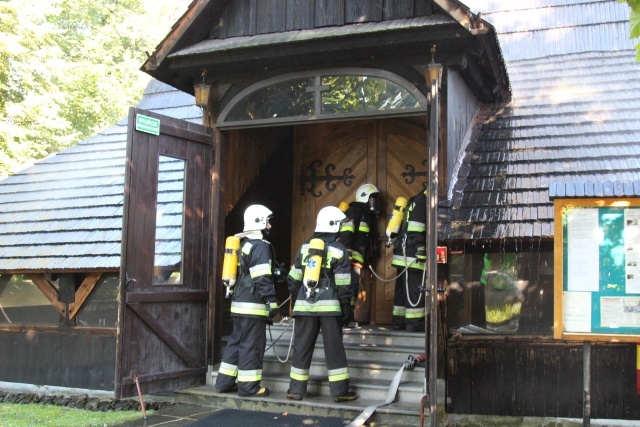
(239, 42)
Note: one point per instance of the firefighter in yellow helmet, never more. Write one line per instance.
(320, 303)
(253, 304)
(359, 236)
(409, 258)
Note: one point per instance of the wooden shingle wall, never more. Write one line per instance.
(251, 17)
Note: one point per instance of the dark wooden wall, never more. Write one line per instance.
(525, 377)
(250, 17)
(72, 357)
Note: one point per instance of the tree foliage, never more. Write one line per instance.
(634, 22)
(69, 68)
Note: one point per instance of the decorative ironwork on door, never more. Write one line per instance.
(410, 176)
(309, 178)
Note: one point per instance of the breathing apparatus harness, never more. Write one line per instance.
(397, 226)
(314, 262)
(230, 264)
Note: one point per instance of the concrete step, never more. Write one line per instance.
(395, 414)
(408, 391)
(374, 355)
(378, 335)
(388, 347)
(389, 355)
(358, 368)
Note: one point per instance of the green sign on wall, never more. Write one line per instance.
(147, 124)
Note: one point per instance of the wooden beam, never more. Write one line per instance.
(192, 26)
(176, 296)
(474, 24)
(497, 67)
(50, 292)
(83, 292)
(163, 376)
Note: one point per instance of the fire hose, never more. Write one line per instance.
(408, 365)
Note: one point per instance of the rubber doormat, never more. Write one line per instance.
(240, 418)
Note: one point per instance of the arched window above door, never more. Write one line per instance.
(323, 96)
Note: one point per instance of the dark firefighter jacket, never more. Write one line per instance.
(356, 232)
(255, 288)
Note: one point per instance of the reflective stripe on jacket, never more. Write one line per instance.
(255, 287)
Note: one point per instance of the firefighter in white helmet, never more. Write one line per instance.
(253, 304)
(358, 234)
(321, 306)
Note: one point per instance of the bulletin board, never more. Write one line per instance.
(597, 269)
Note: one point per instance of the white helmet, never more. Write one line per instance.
(256, 218)
(329, 219)
(366, 190)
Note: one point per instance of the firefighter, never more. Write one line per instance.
(253, 304)
(320, 303)
(358, 235)
(409, 257)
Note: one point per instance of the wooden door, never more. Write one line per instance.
(405, 152)
(161, 337)
(332, 160)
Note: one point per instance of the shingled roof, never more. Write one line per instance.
(65, 212)
(574, 119)
(573, 124)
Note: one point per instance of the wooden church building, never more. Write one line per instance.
(111, 251)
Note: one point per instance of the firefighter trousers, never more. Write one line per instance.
(243, 357)
(409, 311)
(307, 329)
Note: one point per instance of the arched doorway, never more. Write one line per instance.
(350, 126)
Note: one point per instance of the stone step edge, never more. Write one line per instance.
(360, 383)
(357, 406)
(353, 363)
(415, 351)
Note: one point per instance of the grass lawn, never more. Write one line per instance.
(33, 414)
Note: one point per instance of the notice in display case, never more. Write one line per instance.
(597, 269)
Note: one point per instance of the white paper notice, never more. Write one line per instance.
(620, 312)
(583, 256)
(576, 311)
(631, 250)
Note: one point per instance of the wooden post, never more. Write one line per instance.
(586, 379)
(431, 293)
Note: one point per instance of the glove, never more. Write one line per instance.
(347, 313)
(421, 253)
(273, 310)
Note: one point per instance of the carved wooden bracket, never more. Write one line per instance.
(81, 295)
(49, 291)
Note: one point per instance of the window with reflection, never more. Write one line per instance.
(348, 94)
(285, 99)
(501, 293)
(22, 303)
(169, 221)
